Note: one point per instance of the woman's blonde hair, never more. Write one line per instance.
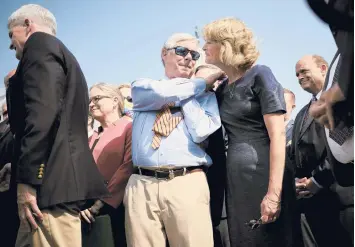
(238, 48)
(111, 91)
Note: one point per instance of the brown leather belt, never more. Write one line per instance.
(168, 174)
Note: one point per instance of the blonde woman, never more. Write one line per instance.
(252, 107)
(111, 148)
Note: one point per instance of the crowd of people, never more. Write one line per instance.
(207, 156)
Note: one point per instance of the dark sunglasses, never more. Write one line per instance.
(254, 224)
(183, 51)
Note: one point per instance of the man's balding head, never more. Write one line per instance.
(311, 71)
(8, 76)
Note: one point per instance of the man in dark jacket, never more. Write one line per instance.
(48, 112)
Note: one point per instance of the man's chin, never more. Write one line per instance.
(18, 56)
(185, 73)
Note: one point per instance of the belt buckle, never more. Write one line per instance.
(156, 175)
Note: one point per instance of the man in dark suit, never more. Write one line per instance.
(335, 109)
(319, 204)
(48, 111)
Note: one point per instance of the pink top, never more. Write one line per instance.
(112, 155)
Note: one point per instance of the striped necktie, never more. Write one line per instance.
(340, 133)
(164, 124)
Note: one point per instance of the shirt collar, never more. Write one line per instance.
(100, 128)
(318, 95)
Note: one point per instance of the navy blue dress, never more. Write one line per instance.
(242, 106)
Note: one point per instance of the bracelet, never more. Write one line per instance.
(270, 200)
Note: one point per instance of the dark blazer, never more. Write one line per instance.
(339, 15)
(48, 112)
(308, 150)
(6, 143)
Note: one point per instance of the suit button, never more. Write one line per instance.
(39, 176)
(106, 182)
(40, 173)
(41, 169)
(42, 166)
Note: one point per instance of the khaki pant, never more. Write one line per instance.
(58, 229)
(177, 209)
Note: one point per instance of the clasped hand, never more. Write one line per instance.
(5, 176)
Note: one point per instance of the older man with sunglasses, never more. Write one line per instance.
(168, 196)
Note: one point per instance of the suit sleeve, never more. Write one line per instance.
(6, 148)
(43, 81)
(119, 180)
(346, 73)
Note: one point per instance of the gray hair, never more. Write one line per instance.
(111, 91)
(176, 38)
(38, 14)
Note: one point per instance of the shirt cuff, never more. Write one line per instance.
(316, 183)
(200, 85)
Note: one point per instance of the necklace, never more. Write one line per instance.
(231, 91)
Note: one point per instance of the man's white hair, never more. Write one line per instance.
(38, 14)
(177, 38)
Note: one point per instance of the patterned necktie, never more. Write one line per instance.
(164, 124)
(306, 115)
(340, 133)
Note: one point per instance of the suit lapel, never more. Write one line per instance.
(305, 125)
(298, 124)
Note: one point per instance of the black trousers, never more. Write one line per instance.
(322, 213)
(117, 222)
(9, 221)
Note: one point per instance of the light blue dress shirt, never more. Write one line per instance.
(181, 148)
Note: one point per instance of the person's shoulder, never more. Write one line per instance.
(264, 78)
(125, 122)
(139, 81)
(260, 69)
(39, 44)
(41, 39)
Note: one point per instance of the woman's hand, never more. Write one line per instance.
(270, 208)
(89, 214)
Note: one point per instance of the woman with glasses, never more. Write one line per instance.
(111, 148)
(251, 102)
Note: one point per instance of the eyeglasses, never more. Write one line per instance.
(183, 51)
(254, 224)
(97, 98)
